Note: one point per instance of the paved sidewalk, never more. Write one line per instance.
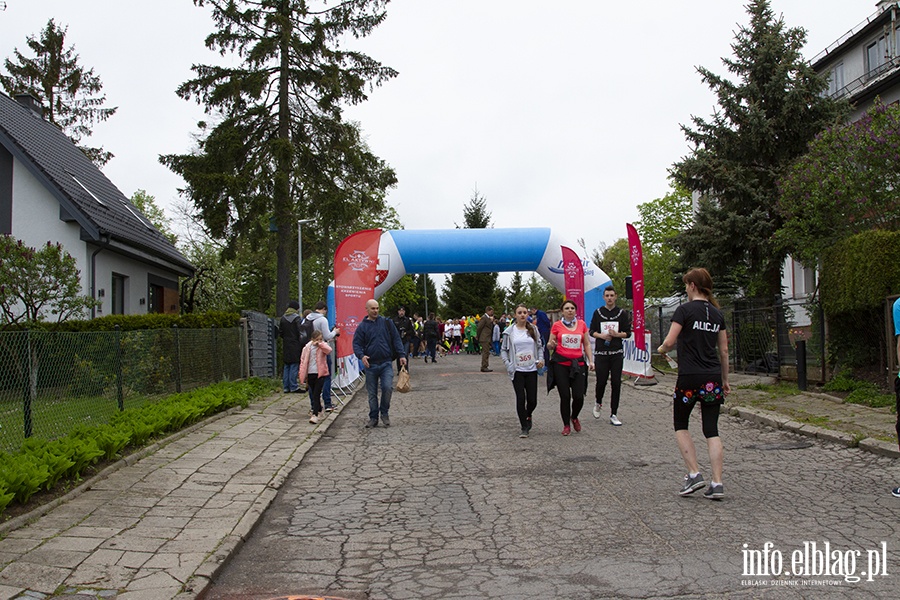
(158, 527)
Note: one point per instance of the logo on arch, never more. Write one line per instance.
(359, 260)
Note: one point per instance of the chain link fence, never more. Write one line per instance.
(51, 381)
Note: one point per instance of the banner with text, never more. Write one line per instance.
(354, 284)
(637, 360)
(637, 282)
(574, 279)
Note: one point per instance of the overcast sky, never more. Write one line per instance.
(562, 114)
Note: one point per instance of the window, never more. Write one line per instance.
(836, 80)
(876, 55)
(117, 296)
(157, 299)
(803, 280)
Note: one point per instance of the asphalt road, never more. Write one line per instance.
(449, 503)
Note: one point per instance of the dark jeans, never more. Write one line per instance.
(525, 385)
(430, 348)
(381, 374)
(326, 384)
(289, 376)
(609, 367)
(571, 392)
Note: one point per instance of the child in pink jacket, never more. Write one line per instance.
(314, 370)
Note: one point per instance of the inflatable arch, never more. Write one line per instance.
(478, 251)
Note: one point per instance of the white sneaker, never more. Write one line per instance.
(614, 420)
(314, 419)
(597, 408)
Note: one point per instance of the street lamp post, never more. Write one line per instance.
(300, 260)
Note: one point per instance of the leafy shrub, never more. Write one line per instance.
(42, 463)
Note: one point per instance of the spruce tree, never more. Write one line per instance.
(281, 150)
(469, 293)
(69, 93)
(765, 119)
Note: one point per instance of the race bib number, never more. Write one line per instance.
(523, 359)
(571, 341)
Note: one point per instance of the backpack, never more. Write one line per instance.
(305, 330)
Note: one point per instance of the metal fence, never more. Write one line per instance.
(51, 381)
(761, 340)
(261, 344)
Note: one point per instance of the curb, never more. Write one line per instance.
(764, 417)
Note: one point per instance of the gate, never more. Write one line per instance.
(261, 350)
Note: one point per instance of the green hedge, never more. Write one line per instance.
(149, 321)
(857, 274)
(860, 271)
(42, 464)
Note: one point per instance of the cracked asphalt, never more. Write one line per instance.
(449, 503)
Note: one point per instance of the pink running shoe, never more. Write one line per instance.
(566, 430)
(576, 425)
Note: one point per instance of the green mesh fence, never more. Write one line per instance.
(51, 381)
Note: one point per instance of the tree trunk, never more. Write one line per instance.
(281, 200)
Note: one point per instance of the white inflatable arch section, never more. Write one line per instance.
(428, 251)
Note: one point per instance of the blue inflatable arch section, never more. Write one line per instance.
(479, 251)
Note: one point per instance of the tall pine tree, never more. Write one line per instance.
(469, 293)
(765, 120)
(69, 93)
(281, 150)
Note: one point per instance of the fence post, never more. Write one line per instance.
(801, 365)
(120, 398)
(177, 360)
(216, 369)
(26, 387)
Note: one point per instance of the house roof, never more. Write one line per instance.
(107, 218)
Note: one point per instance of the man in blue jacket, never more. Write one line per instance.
(375, 343)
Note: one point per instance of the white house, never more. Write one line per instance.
(50, 191)
(861, 65)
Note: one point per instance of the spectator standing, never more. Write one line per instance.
(896, 313)
(570, 360)
(318, 319)
(289, 331)
(522, 353)
(610, 324)
(484, 333)
(698, 333)
(495, 338)
(542, 322)
(404, 326)
(375, 342)
(431, 333)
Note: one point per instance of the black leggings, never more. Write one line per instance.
(609, 366)
(709, 413)
(525, 385)
(316, 384)
(571, 392)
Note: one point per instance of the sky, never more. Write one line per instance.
(564, 115)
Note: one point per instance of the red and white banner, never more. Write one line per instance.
(354, 284)
(637, 282)
(573, 273)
